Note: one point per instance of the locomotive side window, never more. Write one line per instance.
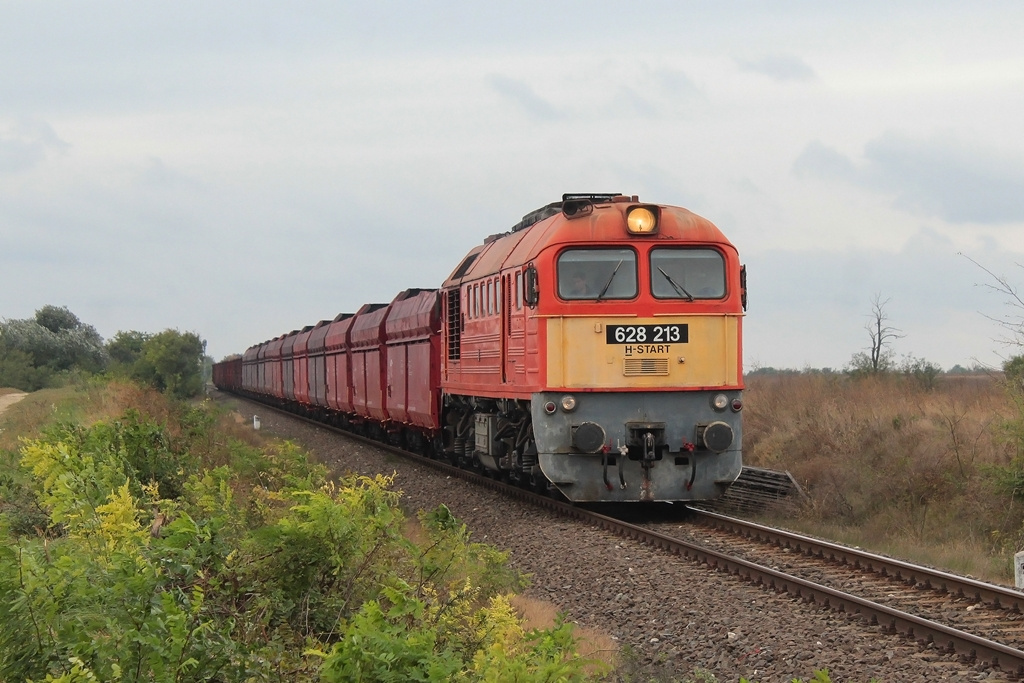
(490, 297)
(687, 274)
(597, 274)
(519, 290)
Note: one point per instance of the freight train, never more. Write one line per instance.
(594, 349)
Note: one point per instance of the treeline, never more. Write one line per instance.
(54, 345)
(909, 365)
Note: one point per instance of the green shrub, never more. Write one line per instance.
(18, 370)
(156, 566)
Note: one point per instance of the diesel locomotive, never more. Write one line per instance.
(595, 348)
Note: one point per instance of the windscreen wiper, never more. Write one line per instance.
(609, 283)
(678, 287)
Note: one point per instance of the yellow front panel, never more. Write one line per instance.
(579, 355)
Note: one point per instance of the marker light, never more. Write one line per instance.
(568, 403)
(642, 220)
(550, 407)
(720, 402)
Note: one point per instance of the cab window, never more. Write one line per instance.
(687, 274)
(597, 274)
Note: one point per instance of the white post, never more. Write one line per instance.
(255, 421)
(1018, 569)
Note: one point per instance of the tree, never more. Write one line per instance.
(172, 362)
(879, 357)
(57, 318)
(18, 371)
(1013, 369)
(882, 335)
(125, 348)
(1012, 322)
(57, 340)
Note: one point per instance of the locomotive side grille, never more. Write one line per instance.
(634, 367)
(454, 324)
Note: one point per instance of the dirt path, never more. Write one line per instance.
(9, 400)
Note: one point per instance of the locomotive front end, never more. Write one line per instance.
(639, 421)
(643, 393)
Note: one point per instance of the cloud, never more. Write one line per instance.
(941, 176)
(944, 177)
(677, 83)
(25, 145)
(781, 67)
(821, 299)
(819, 161)
(523, 95)
(629, 99)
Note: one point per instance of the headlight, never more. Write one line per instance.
(568, 403)
(642, 220)
(720, 402)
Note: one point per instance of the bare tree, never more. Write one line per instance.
(882, 334)
(1013, 321)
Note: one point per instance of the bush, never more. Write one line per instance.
(172, 362)
(17, 370)
(155, 565)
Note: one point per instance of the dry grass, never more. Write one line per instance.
(28, 416)
(894, 467)
(92, 402)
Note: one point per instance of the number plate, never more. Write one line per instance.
(647, 334)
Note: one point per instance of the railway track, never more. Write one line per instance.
(954, 612)
(958, 615)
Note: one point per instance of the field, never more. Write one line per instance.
(929, 472)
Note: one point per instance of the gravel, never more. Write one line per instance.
(675, 615)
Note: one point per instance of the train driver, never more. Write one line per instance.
(579, 286)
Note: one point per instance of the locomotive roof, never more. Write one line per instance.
(556, 207)
(578, 218)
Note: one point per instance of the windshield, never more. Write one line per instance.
(597, 274)
(687, 274)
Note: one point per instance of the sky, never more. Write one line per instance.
(242, 169)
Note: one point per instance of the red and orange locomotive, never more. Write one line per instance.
(594, 348)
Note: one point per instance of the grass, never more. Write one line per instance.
(84, 403)
(894, 467)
